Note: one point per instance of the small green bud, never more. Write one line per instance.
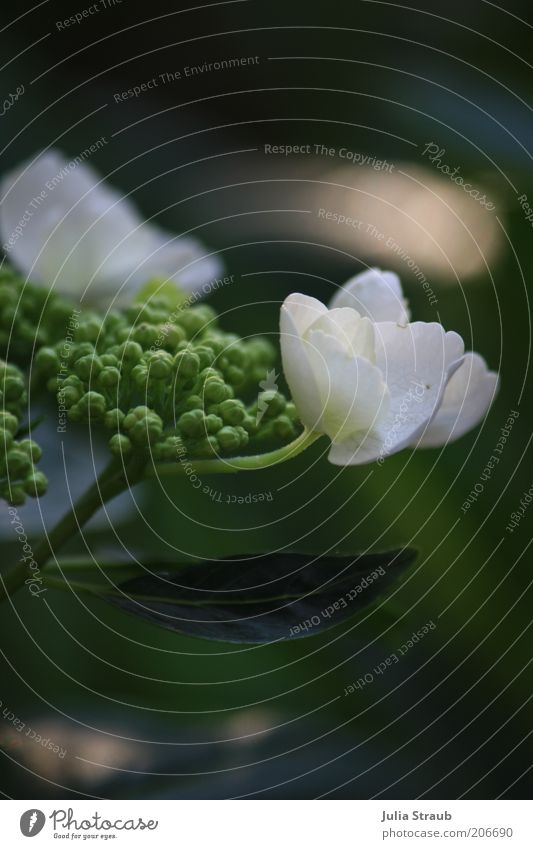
(18, 463)
(145, 334)
(187, 365)
(291, 411)
(235, 354)
(46, 360)
(206, 314)
(166, 450)
(235, 376)
(6, 441)
(232, 411)
(93, 403)
(109, 377)
(284, 428)
(261, 350)
(30, 334)
(32, 449)
(146, 431)
(89, 329)
(123, 334)
(218, 342)
(130, 352)
(160, 365)
(15, 495)
(138, 413)
(192, 423)
(207, 447)
(36, 484)
(9, 421)
(194, 319)
(272, 402)
(243, 436)
(73, 380)
(68, 395)
(215, 391)
(114, 419)
(113, 320)
(8, 296)
(120, 445)
(193, 402)
(75, 413)
(59, 311)
(84, 349)
(13, 388)
(206, 355)
(171, 336)
(229, 439)
(139, 375)
(250, 425)
(88, 367)
(210, 374)
(9, 315)
(109, 360)
(129, 421)
(213, 423)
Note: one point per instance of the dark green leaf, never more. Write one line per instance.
(261, 598)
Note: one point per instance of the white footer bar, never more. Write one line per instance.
(266, 824)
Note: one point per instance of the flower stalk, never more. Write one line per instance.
(113, 480)
(117, 478)
(231, 465)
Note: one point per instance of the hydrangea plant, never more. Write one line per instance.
(165, 380)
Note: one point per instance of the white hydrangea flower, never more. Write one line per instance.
(63, 226)
(375, 294)
(374, 382)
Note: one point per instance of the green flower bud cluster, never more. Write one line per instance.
(30, 316)
(163, 378)
(13, 395)
(18, 476)
(279, 419)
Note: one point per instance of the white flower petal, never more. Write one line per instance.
(298, 312)
(417, 361)
(177, 258)
(374, 293)
(55, 207)
(63, 226)
(466, 399)
(303, 310)
(359, 448)
(352, 392)
(354, 333)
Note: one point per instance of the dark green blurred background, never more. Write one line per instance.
(172, 717)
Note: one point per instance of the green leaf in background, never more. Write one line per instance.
(261, 599)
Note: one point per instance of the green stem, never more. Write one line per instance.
(113, 480)
(236, 464)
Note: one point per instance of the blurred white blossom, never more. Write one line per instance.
(63, 226)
